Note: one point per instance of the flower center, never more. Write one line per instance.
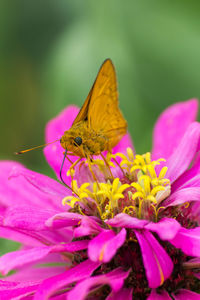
(138, 191)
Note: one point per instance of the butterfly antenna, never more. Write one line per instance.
(27, 150)
(61, 178)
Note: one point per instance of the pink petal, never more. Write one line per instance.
(190, 176)
(115, 279)
(186, 181)
(161, 296)
(20, 258)
(171, 127)
(126, 142)
(184, 153)
(84, 174)
(104, 246)
(21, 237)
(183, 195)
(36, 274)
(10, 290)
(185, 295)
(34, 238)
(22, 186)
(54, 130)
(63, 220)
(53, 284)
(121, 295)
(15, 259)
(27, 217)
(188, 240)
(87, 226)
(158, 265)
(55, 236)
(165, 228)
(124, 220)
(70, 247)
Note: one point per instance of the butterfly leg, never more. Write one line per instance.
(92, 172)
(119, 166)
(69, 159)
(65, 153)
(107, 164)
(72, 168)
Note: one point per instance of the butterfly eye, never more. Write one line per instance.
(78, 141)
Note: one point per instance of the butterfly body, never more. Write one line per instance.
(90, 142)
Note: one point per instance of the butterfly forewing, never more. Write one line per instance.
(100, 110)
(104, 115)
(83, 113)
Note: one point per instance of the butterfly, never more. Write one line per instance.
(99, 125)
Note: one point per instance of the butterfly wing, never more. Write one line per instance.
(104, 115)
(83, 113)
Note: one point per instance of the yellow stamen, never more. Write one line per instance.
(147, 188)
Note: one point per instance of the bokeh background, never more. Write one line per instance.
(50, 52)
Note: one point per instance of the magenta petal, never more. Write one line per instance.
(123, 294)
(126, 142)
(186, 181)
(184, 153)
(165, 228)
(32, 273)
(191, 177)
(50, 188)
(63, 220)
(87, 226)
(22, 186)
(188, 240)
(70, 247)
(124, 220)
(114, 278)
(51, 285)
(27, 217)
(185, 295)
(158, 265)
(11, 290)
(183, 195)
(15, 259)
(19, 236)
(171, 127)
(54, 130)
(104, 246)
(161, 296)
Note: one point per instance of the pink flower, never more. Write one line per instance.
(138, 234)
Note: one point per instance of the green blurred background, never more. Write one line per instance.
(50, 52)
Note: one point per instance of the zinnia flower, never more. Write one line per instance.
(133, 234)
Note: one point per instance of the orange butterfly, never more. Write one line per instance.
(100, 125)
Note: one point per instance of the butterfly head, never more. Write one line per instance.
(73, 142)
